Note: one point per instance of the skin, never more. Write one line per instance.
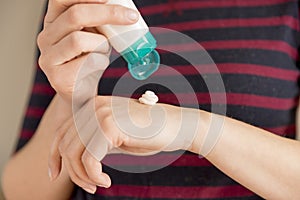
(32, 178)
(245, 153)
(68, 38)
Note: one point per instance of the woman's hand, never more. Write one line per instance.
(141, 129)
(70, 44)
(71, 48)
(68, 151)
(123, 124)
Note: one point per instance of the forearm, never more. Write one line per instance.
(26, 174)
(265, 163)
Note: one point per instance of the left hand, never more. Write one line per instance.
(124, 124)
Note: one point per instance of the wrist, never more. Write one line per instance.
(59, 110)
(201, 132)
(210, 130)
(54, 117)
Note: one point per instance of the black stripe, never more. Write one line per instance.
(40, 101)
(141, 4)
(174, 176)
(264, 86)
(21, 143)
(236, 12)
(254, 56)
(278, 33)
(267, 117)
(241, 55)
(40, 77)
(31, 123)
(137, 198)
(80, 194)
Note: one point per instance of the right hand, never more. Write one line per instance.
(69, 40)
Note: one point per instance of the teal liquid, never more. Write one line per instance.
(142, 58)
(145, 67)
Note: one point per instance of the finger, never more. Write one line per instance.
(56, 7)
(54, 162)
(87, 128)
(63, 77)
(91, 188)
(133, 151)
(73, 157)
(79, 16)
(75, 44)
(70, 152)
(93, 168)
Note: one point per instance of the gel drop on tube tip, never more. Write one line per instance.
(135, 43)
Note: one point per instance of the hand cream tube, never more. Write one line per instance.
(135, 43)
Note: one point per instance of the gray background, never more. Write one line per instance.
(19, 21)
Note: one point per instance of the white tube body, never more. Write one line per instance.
(121, 37)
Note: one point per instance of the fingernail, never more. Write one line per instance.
(104, 180)
(132, 15)
(90, 189)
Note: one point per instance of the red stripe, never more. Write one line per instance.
(191, 160)
(232, 99)
(26, 134)
(186, 5)
(259, 70)
(35, 112)
(156, 160)
(43, 89)
(289, 21)
(283, 130)
(173, 192)
(272, 45)
(235, 68)
(115, 72)
(37, 63)
(261, 101)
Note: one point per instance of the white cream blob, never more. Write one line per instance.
(149, 98)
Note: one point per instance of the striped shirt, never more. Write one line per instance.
(255, 46)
